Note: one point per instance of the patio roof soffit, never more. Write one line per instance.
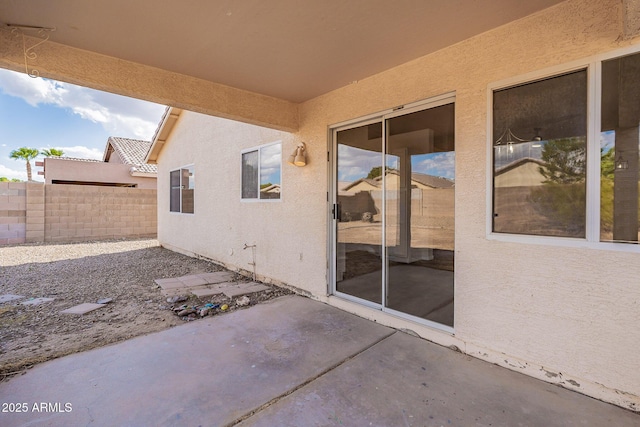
(101, 72)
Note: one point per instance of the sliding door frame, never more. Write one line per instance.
(332, 199)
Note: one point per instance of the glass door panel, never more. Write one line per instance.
(419, 195)
(358, 212)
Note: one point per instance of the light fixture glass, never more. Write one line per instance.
(298, 158)
(621, 163)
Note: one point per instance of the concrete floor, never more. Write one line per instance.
(291, 362)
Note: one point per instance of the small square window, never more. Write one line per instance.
(182, 188)
(261, 172)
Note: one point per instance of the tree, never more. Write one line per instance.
(377, 171)
(565, 160)
(52, 152)
(27, 154)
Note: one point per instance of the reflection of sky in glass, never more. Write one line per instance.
(608, 141)
(435, 164)
(192, 178)
(270, 164)
(355, 163)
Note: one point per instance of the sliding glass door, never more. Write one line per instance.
(393, 212)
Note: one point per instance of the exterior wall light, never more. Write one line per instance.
(299, 157)
(621, 163)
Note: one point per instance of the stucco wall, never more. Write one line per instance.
(222, 223)
(560, 313)
(111, 172)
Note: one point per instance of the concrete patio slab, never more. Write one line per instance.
(37, 301)
(169, 283)
(405, 381)
(217, 277)
(82, 308)
(210, 372)
(292, 362)
(244, 289)
(190, 281)
(210, 290)
(9, 297)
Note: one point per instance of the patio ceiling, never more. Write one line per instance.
(286, 49)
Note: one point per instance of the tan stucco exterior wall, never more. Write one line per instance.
(111, 172)
(222, 222)
(564, 314)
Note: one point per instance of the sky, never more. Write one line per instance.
(41, 113)
(355, 163)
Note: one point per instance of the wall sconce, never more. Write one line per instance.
(621, 163)
(299, 157)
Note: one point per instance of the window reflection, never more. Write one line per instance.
(539, 157)
(359, 212)
(619, 150)
(261, 172)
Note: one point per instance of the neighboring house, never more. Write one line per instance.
(122, 165)
(520, 173)
(418, 180)
(520, 276)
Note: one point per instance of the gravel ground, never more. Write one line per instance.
(84, 273)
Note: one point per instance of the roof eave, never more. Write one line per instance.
(168, 121)
(144, 174)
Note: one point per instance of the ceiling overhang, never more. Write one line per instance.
(251, 60)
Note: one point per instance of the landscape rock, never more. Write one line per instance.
(177, 298)
(241, 302)
(186, 312)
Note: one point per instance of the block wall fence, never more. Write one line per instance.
(35, 212)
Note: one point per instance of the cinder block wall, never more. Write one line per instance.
(83, 212)
(13, 212)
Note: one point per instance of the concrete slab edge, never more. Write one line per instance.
(308, 381)
(555, 376)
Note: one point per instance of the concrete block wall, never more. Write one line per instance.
(83, 212)
(13, 216)
(35, 212)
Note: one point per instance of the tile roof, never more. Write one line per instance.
(132, 152)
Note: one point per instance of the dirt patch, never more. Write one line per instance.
(84, 273)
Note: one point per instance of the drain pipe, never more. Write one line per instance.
(253, 257)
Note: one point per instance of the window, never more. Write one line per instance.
(182, 188)
(619, 148)
(539, 157)
(261, 172)
(557, 174)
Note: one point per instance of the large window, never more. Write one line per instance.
(555, 173)
(261, 172)
(539, 157)
(182, 189)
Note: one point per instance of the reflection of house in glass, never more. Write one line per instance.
(270, 192)
(431, 202)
